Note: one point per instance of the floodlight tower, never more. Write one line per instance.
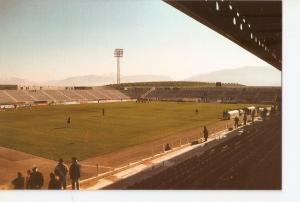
(118, 54)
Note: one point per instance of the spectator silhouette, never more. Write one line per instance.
(245, 119)
(252, 115)
(167, 147)
(27, 179)
(236, 122)
(36, 179)
(54, 183)
(61, 171)
(68, 121)
(205, 133)
(74, 172)
(272, 112)
(18, 182)
(264, 114)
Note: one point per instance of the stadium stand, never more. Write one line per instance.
(205, 94)
(135, 92)
(251, 160)
(60, 96)
(86, 94)
(20, 96)
(71, 94)
(99, 94)
(57, 95)
(214, 94)
(39, 95)
(4, 98)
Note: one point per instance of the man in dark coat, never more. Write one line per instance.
(61, 171)
(264, 114)
(205, 133)
(54, 183)
(19, 181)
(74, 172)
(236, 122)
(36, 179)
(252, 115)
(245, 119)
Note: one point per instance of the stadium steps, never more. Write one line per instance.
(91, 94)
(79, 95)
(212, 169)
(70, 94)
(39, 95)
(99, 94)
(6, 97)
(148, 92)
(57, 95)
(135, 92)
(246, 174)
(19, 96)
(49, 96)
(33, 97)
(86, 95)
(120, 94)
(114, 94)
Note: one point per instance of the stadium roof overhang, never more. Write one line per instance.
(254, 25)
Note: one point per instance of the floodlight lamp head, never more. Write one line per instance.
(118, 52)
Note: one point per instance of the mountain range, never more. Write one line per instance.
(251, 76)
(95, 80)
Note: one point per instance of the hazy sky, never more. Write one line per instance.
(53, 39)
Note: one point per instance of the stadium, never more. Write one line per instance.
(149, 135)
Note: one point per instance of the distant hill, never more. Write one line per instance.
(88, 80)
(15, 81)
(145, 78)
(95, 80)
(250, 76)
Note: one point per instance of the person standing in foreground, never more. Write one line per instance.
(27, 179)
(54, 184)
(74, 172)
(205, 132)
(19, 181)
(36, 179)
(61, 171)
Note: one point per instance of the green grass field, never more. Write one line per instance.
(42, 130)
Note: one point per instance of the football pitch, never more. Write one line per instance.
(43, 131)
